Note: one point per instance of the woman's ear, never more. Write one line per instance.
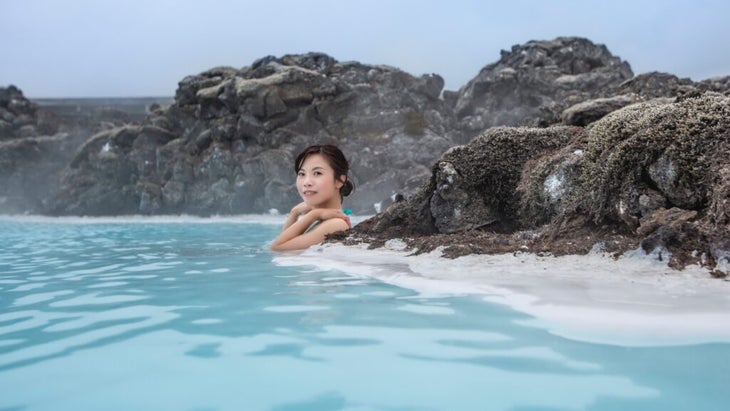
(340, 181)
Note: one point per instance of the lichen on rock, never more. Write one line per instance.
(675, 149)
(653, 174)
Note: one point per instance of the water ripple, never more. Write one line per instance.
(40, 297)
(148, 316)
(175, 316)
(96, 299)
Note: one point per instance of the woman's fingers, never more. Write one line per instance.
(336, 213)
(301, 208)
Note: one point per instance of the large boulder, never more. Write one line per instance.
(653, 174)
(718, 84)
(110, 173)
(477, 185)
(20, 117)
(661, 87)
(230, 138)
(29, 169)
(491, 166)
(531, 84)
(589, 111)
(674, 152)
(35, 145)
(655, 84)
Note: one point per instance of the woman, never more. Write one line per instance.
(322, 183)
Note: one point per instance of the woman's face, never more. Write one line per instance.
(316, 182)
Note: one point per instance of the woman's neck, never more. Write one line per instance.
(334, 203)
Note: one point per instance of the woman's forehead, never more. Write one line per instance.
(315, 160)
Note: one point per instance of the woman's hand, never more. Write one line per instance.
(296, 234)
(329, 213)
(296, 211)
(301, 208)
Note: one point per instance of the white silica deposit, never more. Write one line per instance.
(634, 300)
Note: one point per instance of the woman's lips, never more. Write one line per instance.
(309, 193)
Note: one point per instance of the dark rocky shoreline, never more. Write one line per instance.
(555, 148)
(653, 175)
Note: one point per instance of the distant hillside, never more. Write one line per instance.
(76, 109)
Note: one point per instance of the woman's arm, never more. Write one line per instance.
(296, 211)
(293, 236)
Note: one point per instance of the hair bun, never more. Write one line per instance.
(347, 188)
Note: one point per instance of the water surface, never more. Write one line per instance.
(193, 315)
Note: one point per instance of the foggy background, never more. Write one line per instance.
(126, 48)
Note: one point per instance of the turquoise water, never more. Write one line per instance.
(189, 315)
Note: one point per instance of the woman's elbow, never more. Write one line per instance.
(287, 246)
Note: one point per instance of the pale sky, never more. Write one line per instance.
(126, 48)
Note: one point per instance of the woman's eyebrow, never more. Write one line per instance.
(313, 168)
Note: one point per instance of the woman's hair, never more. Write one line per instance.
(336, 160)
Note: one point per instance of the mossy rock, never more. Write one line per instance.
(675, 149)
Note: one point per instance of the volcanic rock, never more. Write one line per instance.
(231, 136)
(531, 84)
(653, 173)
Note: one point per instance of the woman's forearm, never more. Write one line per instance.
(291, 218)
(294, 227)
